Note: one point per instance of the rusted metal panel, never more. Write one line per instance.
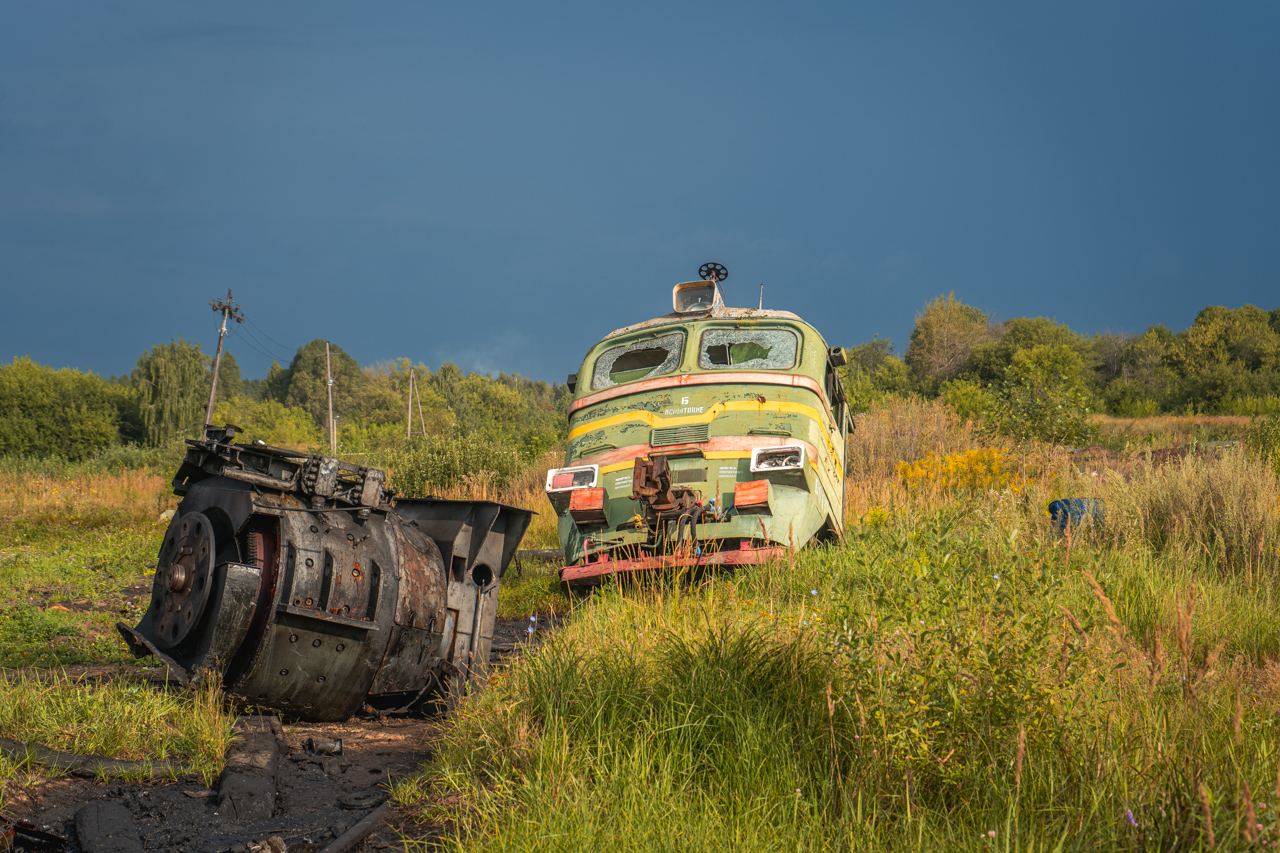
(299, 581)
(598, 570)
(587, 506)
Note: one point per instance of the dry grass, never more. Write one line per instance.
(137, 495)
(904, 430)
(894, 431)
(1225, 509)
(1170, 430)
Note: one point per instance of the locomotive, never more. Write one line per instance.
(708, 436)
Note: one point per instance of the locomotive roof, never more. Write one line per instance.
(719, 313)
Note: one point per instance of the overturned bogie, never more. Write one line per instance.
(321, 594)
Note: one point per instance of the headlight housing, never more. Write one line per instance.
(789, 457)
(568, 479)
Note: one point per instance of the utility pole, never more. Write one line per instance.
(408, 412)
(408, 415)
(328, 376)
(418, 391)
(228, 309)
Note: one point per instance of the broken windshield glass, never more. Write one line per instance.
(750, 349)
(639, 360)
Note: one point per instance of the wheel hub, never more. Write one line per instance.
(182, 577)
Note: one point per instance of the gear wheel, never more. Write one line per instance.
(712, 271)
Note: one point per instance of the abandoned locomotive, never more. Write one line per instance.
(711, 435)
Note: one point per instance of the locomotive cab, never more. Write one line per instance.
(708, 436)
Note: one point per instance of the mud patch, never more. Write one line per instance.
(318, 796)
(321, 792)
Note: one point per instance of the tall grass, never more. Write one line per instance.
(115, 718)
(54, 494)
(894, 431)
(919, 688)
(1157, 431)
(1225, 509)
(955, 674)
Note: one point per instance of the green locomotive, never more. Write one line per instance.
(708, 436)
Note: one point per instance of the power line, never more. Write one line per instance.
(268, 337)
(228, 309)
(266, 346)
(249, 343)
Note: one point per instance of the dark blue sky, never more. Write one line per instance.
(501, 184)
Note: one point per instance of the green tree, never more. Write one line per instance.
(989, 361)
(1226, 354)
(171, 382)
(304, 385)
(945, 333)
(276, 385)
(230, 382)
(1037, 400)
(269, 421)
(48, 412)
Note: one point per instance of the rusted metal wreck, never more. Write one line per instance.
(310, 589)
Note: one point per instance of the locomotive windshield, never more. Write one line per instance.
(638, 360)
(754, 349)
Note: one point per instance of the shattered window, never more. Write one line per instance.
(638, 360)
(754, 349)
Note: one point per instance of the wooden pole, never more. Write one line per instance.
(328, 375)
(408, 413)
(421, 419)
(228, 308)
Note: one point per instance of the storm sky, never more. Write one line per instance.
(501, 184)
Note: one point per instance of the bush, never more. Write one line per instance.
(270, 421)
(967, 398)
(437, 463)
(1037, 402)
(64, 413)
(1263, 440)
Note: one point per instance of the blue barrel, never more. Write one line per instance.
(1077, 512)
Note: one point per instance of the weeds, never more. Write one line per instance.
(1223, 509)
(954, 675)
(115, 718)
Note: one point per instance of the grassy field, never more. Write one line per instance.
(955, 674)
(78, 545)
(77, 550)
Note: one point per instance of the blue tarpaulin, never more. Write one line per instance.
(1075, 511)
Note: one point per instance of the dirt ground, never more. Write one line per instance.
(318, 796)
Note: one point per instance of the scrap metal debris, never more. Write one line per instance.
(310, 589)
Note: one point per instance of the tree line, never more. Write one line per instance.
(72, 414)
(1028, 376)
(1035, 376)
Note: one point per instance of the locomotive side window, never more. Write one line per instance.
(639, 360)
(750, 349)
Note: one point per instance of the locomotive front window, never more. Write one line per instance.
(639, 360)
(748, 349)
